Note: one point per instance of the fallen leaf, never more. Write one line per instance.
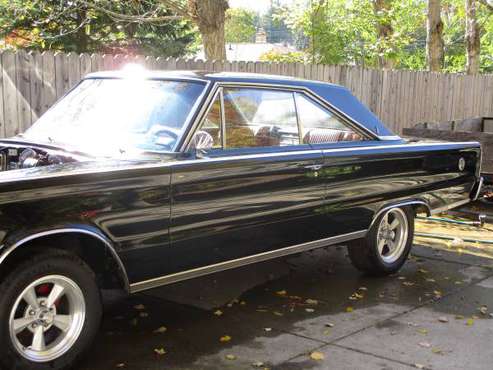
(423, 271)
(277, 313)
(261, 310)
(430, 280)
(242, 303)
(317, 356)
(218, 313)
(281, 292)
(310, 310)
(437, 351)
(459, 317)
(139, 307)
(258, 364)
(159, 351)
(295, 297)
(326, 332)
(443, 319)
(401, 278)
(470, 322)
(230, 357)
(268, 329)
(355, 296)
(483, 309)
(329, 325)
(422, 331)
(419, 366)
(349, 309)
(311, 301)
(161, 330)
(225, 338)
(408, 283)
(363, 288)
(425, 344)
(120, 365)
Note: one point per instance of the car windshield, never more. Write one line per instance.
(111, 117)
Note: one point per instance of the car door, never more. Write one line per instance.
(254, 188)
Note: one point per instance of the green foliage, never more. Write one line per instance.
(240, 25)
(291, 57)
(340, 31)
(82, 27)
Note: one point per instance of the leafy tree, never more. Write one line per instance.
(240, 25)
(77, 26)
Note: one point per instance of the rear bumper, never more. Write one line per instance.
(476, 190)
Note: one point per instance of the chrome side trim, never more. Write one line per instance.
(201, 271)
(390, 137)
(400, 204)
(478, 190)
(108, 244)
(155, 165)
(450, 206)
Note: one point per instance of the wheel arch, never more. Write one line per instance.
(418, 205)
(88, 243)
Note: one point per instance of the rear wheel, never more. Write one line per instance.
(387, 244)
(50, 311)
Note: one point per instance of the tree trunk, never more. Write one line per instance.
(473, 42)
(209, 15)
(384, 31)
(434, 37)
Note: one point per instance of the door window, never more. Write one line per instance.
(259, 118)
(318, 125)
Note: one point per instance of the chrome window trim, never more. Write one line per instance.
(355, 125)
(105, 241)
(227, 265)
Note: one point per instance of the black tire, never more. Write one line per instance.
(39, 266)
(364, 254)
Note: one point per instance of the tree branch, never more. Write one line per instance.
(178, 7)
(487, 5)
(132, 18)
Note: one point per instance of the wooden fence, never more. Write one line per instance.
(31, 82)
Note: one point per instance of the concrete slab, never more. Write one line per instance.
(337, 358)
(449, 334)
(278, 312)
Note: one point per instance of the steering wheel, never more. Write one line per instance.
(158, 131)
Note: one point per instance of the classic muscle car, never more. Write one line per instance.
(137, 180)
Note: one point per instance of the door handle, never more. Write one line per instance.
(314, 167)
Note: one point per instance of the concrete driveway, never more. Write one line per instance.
(278, 315)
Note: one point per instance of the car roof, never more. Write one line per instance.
(338, 96)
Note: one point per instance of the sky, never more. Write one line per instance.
(261, 6)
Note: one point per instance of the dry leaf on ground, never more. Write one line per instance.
(317, 356)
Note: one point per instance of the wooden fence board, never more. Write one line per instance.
(31, 83)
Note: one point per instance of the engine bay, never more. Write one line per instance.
(15, 157)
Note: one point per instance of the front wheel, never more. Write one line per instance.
(387, 244)
(50, 312)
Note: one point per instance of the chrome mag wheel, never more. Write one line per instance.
(47, 318)
(392, 235)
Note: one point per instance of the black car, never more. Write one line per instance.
(138, 179)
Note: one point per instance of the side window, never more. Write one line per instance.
(209, 134)
(259, 118)
(320, 126)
